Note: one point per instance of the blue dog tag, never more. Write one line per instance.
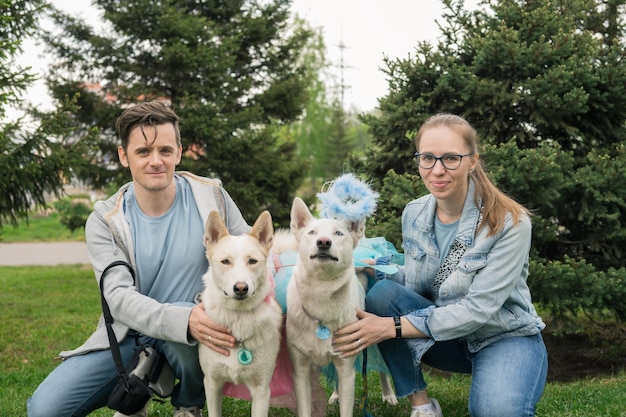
(322, 332)
(244, 356)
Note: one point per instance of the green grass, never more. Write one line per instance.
(48, 309)
(40, 228)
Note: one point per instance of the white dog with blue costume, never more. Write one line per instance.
(323, 292)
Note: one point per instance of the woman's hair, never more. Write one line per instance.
(494, 203)
(150, 113)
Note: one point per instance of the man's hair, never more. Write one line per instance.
(150, 113)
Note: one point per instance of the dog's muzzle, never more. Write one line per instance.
(240, 291)
(324, 256)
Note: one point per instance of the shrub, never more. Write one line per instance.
(73, 213)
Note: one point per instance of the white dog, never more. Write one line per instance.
(322, 296)
(238, 295)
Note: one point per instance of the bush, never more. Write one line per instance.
(73, 213)
(396, 191)
(568, 287)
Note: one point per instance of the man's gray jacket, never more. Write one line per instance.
(109, 239)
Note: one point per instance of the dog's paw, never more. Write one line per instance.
(390, 399)
(334, 398)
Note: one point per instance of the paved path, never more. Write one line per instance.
(43, 253)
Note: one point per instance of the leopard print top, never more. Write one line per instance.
(449, 265)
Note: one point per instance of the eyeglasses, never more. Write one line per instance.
(449, 161)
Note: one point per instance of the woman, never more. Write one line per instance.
(460, 303)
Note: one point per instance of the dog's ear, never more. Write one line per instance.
(215, 229)
(357, 230)
(263, 230)
(300, 215)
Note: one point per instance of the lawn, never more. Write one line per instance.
(40, 227)
(49, 309)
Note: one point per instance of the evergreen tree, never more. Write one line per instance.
(526, 70)
(229, 69)
(37, 155)
(544, 85)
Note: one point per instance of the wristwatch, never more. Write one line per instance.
(398, 324)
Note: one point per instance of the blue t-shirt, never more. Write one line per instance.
(169, 249)
(444, 235)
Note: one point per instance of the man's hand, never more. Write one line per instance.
(209, 333)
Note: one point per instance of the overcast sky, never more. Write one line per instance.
(369, 29)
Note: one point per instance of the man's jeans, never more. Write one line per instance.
(508, 376)
(83, 383)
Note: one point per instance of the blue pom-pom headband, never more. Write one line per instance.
(347, 198)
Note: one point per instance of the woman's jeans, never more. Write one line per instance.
(508, 376)
(83, 383)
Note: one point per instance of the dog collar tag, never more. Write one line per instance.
(244, 356)
(322, 332)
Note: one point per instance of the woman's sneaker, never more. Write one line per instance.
(429, 413)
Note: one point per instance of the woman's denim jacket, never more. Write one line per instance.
(486, 298)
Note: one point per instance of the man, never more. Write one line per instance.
(156, 224)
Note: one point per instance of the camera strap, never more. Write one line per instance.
(108, 320)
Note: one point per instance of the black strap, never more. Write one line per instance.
(108, 319)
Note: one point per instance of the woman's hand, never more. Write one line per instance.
(209, 333)
(368, 330)
(369, 271)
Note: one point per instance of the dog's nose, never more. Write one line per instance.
(324, 243)
(240, 288)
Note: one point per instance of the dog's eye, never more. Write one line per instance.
(252, 261)
(311, 232)
(338, 233)
(225, 262)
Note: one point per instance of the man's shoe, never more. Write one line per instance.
(141, 413)
(429, 413)
(188, 412)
